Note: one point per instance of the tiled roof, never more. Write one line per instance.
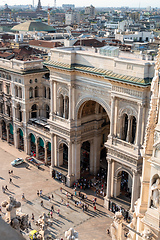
(98, 71)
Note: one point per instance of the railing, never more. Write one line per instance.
(117, 141)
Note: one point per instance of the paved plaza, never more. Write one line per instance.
(90, 225)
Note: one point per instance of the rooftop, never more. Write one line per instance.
(102, 72)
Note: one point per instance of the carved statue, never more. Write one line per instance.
(71, 234)
(43, 222)
(155, 195)
(16, 219)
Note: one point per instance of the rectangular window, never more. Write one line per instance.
(8, 89)
(0, 87)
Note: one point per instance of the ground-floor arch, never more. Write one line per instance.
(63, 155)
(11, 134)
(20, 137)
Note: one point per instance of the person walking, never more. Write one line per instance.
(6, 187)
(51, 213)
(52, 196)
(52, 208)
(42, 203)
(61, 189)
(58, 211)
(10, 180)
(3, 189)
(38, 193)
(49, 198)
(32, 217)
(23, 196)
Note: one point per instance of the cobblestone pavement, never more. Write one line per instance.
(91, 225)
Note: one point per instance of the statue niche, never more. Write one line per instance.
(155, 194)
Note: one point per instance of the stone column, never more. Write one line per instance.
(55, 151)
(109, 178)
(1, 130)
(45, 153)
(134, 190)
(91, 157)
(70, 103)
(139, 125)
(69, 158)
(116, 117)
(129, 128)
(15, 137)
(37, 143)
(52, 100)
(64, 110)
(77, 159)
(112, 115)
(29, 145)
(52, 153)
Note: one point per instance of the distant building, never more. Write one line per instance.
(90, 10)
(72, 17)
(68, 6)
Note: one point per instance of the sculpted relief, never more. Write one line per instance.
(155, 194)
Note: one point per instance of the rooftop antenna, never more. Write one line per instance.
(55, 4)
(33, 3)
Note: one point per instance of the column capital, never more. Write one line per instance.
(109, 161)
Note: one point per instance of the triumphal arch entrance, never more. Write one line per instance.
(99, 106)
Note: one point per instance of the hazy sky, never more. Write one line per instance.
(100, 3)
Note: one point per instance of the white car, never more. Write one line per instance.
(17, 161)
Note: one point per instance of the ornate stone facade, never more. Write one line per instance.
(86, 106)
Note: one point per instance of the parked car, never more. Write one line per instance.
(33, 161)
(17, 161)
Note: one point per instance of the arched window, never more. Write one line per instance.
(124, 127)
(133, 129)
(20, 92)
(47, 111)
(49, 93)
(8, 111)
(19, 113)
(30, 92)
(16, 91)
(61, 105)
(36, 91)
(1, 108)
(45, 92)
(34, 109)
(66, 107)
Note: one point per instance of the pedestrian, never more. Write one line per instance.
(86, 196)
(32, 217)
(61, 200)
(95, 207)
(49, 198)
(3, 189)
(75, 203)
(10, 180)
(75, 192)
(95, 199)
(22, 196)
(108, 232)
(38, 193)
(58, 211)
(67, 195)
(6, 187)
(51, 213)
(52, 197)
(9, 172)
(48, 214)
(29, 224)
(71, 196)
(52, 208)
(61, 189)
(67, 204)
(42, 203)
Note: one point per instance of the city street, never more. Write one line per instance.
(90, 225)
